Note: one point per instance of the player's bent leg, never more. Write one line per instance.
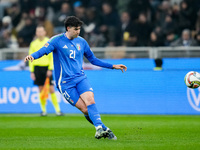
(82, 106)
(88, 98)
(74, 98)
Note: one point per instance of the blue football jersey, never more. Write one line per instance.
(68, 57)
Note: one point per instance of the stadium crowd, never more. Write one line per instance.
(106, 22)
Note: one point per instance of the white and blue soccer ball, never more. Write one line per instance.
(192, 79)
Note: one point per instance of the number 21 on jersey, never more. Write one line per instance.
(72, 54)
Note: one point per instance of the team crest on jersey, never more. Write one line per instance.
(46, 45)
(78, 46)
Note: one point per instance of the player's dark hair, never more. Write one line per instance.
(72, 21)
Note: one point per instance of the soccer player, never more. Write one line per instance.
(42, 68)
(68, 50)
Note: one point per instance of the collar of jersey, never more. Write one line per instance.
(67, 37)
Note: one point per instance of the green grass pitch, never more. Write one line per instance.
(134, 132)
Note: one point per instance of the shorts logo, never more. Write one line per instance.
(46, 45)
(193, 96)
(71, 101)
(67, 97)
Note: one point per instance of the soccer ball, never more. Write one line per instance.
(192, 79)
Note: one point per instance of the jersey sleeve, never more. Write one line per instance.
(93, 60)
(45, 50)
(31, 66)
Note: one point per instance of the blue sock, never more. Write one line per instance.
(94, 115)
(89, 120)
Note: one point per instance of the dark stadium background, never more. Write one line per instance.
(132, 32)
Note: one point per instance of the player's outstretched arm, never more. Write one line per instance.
(29, 57)
(121, 67)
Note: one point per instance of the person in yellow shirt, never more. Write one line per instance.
(42, 68)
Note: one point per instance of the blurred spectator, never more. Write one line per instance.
(79, 11)
(128, 34)
(60, 17)
(185, 40)
(50, 14)
(2, 42)
(56, 4)
(155, 3)
(175, 12)
(27, 5)
(197, 37)
(170, 37)
(96, 4)
(42, 3)
(85, 3)
(158, 31)
(155, 40)
(5, 32)
(143, 30)
(122, 6)
(135, 7)
(175, 2)
(40, 14)
(15, 14)
(110, 24)
(90, 27)
(168, 25)
(163, 10)
(26, 34)
(195, 5)
(6, 24)
(3, 5)
(198, 21)
(22, 21)
(6, 38)
(186, 17)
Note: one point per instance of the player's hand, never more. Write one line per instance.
(121, 67)
(33, 76)
(29, 57)
(49, 73)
